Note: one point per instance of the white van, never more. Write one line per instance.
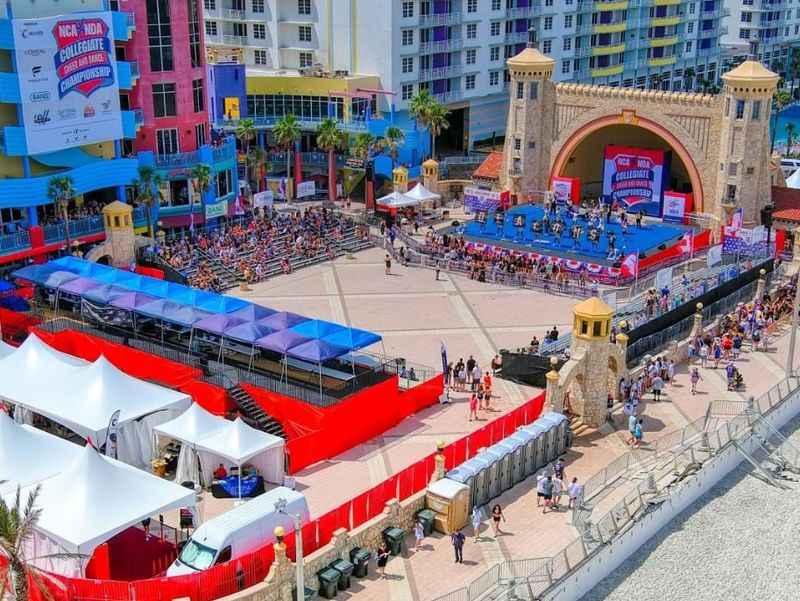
(789, 166)
(239, 531)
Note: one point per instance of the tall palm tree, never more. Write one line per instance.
(17, 524)
(791, 130)
(148, 191)
(419, 107)
(688, 78)
(287, 132)
(393, 139)
(246, 133)
(256, 163)
(437, 123)
(330, 138)
(202, 176)
(780, 100)
(364, 143)
(60, 190)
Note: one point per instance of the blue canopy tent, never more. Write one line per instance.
(280, 342)
(102, 294)
(252, 312)
(154, 287)
(318, 328)
(35, 274)
(131, 301)
(248, 332)
(353, 338)
(218, 303)
(167, 311)
(317, 351)
(282, 320)
(120, 277)
(217, 324)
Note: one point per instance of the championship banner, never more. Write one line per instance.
(68, 82)
(476, 199)
(634, 177)
(676, 206)
(566, 190)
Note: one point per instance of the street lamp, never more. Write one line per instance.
(280, 507)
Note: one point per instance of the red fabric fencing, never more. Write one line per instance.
(15, 326)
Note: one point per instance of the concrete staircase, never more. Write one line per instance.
(577, 426)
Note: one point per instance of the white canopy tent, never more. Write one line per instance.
(396, 200)
(92, 500)
(214, 438)
(793, 181)
(84, 396)
(422, 194)
(5, 349)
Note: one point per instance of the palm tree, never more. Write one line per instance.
(202, 176)
(393, 139)
(17, 524)
(287, 132)
(256, 162)
(246, 133)
(60, 190)
(363, 144)
(419, 107)
(437, 123)
(148, 192)
(330, 138)
(780, 100)
(688, 77)
(791, 129)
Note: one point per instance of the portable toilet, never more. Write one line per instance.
(525, 445)
(480, 464)
(548, 434)
(561, 436)
(536, 451)
(499, 470)
(450, 501)
(465, 474)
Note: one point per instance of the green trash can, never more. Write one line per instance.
(328, 582)
(393, 537)
(345, 568)
(427, 517)
(360, 559)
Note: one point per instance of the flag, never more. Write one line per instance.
(714, 255)
(111, 435)
(737, 218)
(687, 243)
(443, 351)
(630, 265)
(191, 219)
(282, 188)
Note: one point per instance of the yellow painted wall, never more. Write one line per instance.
(311, 86)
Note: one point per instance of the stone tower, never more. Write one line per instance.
(430, 175)
(400, 179)
(526, 155)
(120, 239)
(591, 348)
(744, 178)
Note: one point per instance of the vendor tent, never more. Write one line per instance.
(421, 194)
(89, 502)
(396, 200)
(793, 181)
(5, 349)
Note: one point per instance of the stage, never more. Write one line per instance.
(517, 234)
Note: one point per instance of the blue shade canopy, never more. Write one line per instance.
(35, 273)
(77, 286)
(131, 301)
(154, 287)
(57, 278)
(104, 293)
(120, 277)
(6, 286)
(166, 310)
(352, 338)
(318, 328)
(75, 265)
(217, 303)
(281, 341)
(282, 320)
(252, 312)
(316, 351)
(217, 324)
(248, 332)
(181, 294)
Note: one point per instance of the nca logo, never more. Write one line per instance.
(42, 118)
(43, 96)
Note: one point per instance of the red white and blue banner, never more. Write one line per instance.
(745, 242)
(68, 83)
(676, 206)
(476, 199)
(566, 189)
(634, 178)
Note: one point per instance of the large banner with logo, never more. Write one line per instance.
(634, 177)
(68, 81)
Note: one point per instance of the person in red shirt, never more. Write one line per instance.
(220, 473)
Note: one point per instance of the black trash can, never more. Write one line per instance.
(360, 559)
(394, 539)
(427, 517)
(328, 582)
(345, 568)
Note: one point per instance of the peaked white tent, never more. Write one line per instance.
(5, 349)
(422, 194)
(92, 500)
(793, 181)
(396, 200)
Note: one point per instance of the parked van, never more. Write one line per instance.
(239, 531)
(789, 166)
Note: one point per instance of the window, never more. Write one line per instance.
(566, 43)
(494, 53)
(740, 109)
(567, 21)
(304, 33)
(260, 57)
(240, 29)
(548, 23)
(210, 4)
(469, 81)
(689, 46)
(408, 10)
(690, 27)
(258, 6)
(731, 194)
(496, 4)
(472, 56)
(159, 35)
(494, 28)
(197, 95)
(200, 134)
(408, 37)
(744, 34)
(517, 144)
(407, 64)
(747, 17)
(756, 114)
(407, 91)
(520, 90)
(211, 28)
(303, 7)
(164, 100)
(167, 141)
(494, 78)
(534, 90)
(565, 66)
(547, 46)
(727, 106)
(259, 31)
(306, 59)
(224, 183)
(472, 6)
(472, 31)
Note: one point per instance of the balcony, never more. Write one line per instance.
(178, 160)
(9, 88)
(233, 13)
(608, 71)
(616, 5)
(123, 25)
(440, 46)
(604, 50)
(78, 228)
(617, 27)
(234, 40)
(17, 241)
(448, 97)
(520, 12)
(440, 72)
(666, 2)
(664, 61)
(306, 123)
(128, 73)
(516, 37)
(662, 42)
(441, 19)
(665, 21)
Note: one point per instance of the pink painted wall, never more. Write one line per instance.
(182, 75)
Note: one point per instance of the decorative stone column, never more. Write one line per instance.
(761, 285)
(622, 342)
(438, 462)
(281, 572)
(697, 327)
(553, 397)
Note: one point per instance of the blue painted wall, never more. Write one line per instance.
(226, 80)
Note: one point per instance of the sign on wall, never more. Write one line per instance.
(676, 206)
(305, 189)
(263, 199)
(476, 199)
(218, 209)
(634, 177)
(68, 81)
(566, 189)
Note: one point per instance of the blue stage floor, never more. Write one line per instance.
(646, 240)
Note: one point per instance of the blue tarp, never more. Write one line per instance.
(6, 286)
(317, 351)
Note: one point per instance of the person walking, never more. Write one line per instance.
(458, 538)
(477, 518)
(547, 492)
(383, 559)
(419, 534)
(497, 515)
(703, 356)
(437, 270)
(657, 385)
(473, 407)
(559, 469)
(540, 489)
(631, 427)
(694, 378)
(638, 433)
(558, 490)
(575, 492)
(387, 261)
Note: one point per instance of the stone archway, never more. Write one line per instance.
(574, 139)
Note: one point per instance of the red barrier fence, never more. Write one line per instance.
(14, 326)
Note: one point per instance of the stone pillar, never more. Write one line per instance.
(281, 572)
(438, 462)
(761, 285)
(553, 397)
(622, 342)
(120, 239)
(697, 327)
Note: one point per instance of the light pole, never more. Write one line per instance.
(300, 585)
(793, 334)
